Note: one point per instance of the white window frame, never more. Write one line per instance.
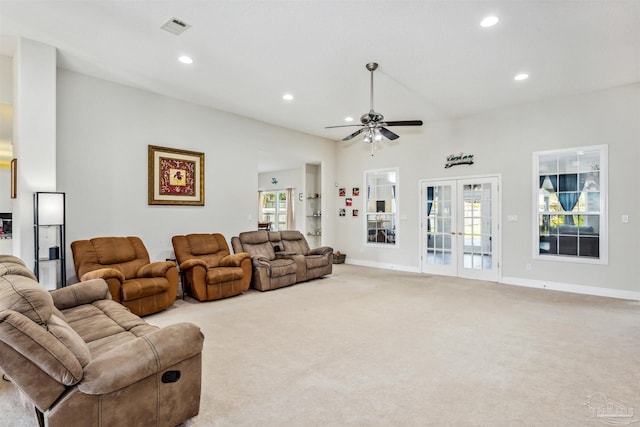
(603, 257)
(276, 210)
(396, 214)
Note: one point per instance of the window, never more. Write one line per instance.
(382, 206)
(570, 200)
(273, 209)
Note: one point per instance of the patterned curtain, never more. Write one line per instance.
(260, 205)
(569, 193)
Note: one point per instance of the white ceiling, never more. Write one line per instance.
(436, 62)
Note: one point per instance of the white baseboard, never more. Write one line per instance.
(385, 265)
(518, 281)
(570, 287)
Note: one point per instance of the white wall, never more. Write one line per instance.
(503, 142)
(6, 97)
(34, 136)
(6, 80)
(103, 133)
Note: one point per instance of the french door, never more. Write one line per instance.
(460, 231)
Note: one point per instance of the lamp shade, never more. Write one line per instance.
(50, 208)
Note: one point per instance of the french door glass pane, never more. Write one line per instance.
(477, 248)
(274, 209)
(439, 225)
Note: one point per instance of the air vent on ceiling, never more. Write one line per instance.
(175, 26)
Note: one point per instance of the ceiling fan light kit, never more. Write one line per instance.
(372, 124)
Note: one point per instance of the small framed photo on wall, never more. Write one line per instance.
(342, 192)
(356, 191)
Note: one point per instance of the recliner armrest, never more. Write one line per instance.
(191, 263)
(322, 250)
(155, 269)
(260, 261)
(103, 273)
(234, 260)
(140, 358)
(80, 293)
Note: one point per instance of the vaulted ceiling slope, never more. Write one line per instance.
(436, 61)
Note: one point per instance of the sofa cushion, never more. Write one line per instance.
(11, 259)
(144, 287)
(24, 295)
(9, 266)
(257, 244)
(224, 274)
(294, 241)
(282, 267)
(105, 324)
(296, 246)
(113, 250)
(205, 244)
(314, 261)
(254, 237)
(70, 338)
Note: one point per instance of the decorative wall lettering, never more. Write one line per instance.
(459, 159)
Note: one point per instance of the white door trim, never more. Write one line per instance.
(422, 213)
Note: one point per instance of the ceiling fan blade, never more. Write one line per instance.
(356, 133)
(403, 123)
(388, 134)
(342, 126)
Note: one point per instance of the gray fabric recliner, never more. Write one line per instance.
(310, 263)
(269, 271)
(85, 360)
(282, 258)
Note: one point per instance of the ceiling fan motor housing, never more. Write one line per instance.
(371, 117)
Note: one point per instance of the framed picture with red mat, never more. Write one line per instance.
(176, 177)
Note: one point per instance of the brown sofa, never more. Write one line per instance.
(84, 360)
(282, 258)
(269, 271)
(123, 262)
(310, 263)
(210, 271)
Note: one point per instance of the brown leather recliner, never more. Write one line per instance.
(270, 271)
(84, 360)
(210, 271)
(123, 262)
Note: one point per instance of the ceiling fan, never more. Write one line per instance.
(373, 124)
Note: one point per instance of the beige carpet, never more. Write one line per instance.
(368, 347)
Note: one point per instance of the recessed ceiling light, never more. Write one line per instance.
(489, 21)
(348, 119)
(185, 59)
(521, 76)
(287, 97)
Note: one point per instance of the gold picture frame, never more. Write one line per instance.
(14, 178)
(176, 177)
